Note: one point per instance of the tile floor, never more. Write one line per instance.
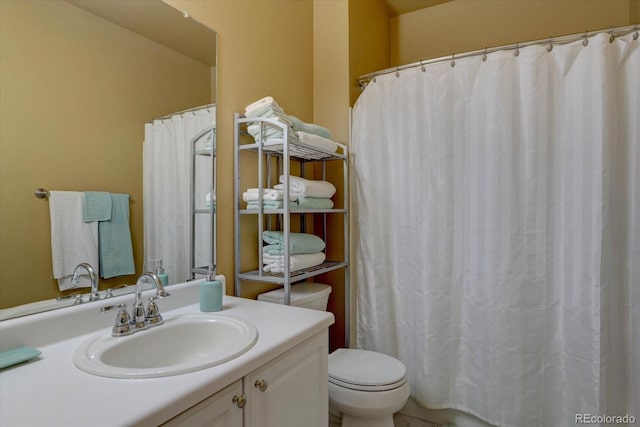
(401, 421)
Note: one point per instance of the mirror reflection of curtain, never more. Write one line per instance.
(166, 184)
(499, 230)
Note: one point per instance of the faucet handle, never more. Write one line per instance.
(122, 325)
(153, 316)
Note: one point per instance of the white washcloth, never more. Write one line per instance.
(308, 188)
(275, 263)
(317, 141)
(73, 241)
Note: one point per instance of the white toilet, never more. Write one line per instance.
(366, 387)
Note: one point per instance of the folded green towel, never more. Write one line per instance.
(114, 236)
(96, 206)
(314, 203)
(270, 204)
(299, 243)
(299, 125)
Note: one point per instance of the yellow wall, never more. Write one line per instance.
(75, 92)
(369, 41)
(264, 48)
(634, 11)
(331, 107)
(466, 25)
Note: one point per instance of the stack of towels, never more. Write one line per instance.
(308, 133)
(271, 199)
(305, 250)
(303, 194)
(310, 194)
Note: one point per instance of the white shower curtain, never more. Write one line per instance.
(498, 230)
(166, 188)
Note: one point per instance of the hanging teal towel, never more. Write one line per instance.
(96, 206)
(116, 250)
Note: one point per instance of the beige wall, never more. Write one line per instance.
(331, 107)
(634, 12)
(75, 92)
(369, 41)
(466, 25)
(264, 48)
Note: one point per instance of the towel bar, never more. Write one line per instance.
(41, 193)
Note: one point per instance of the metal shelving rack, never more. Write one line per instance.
(285, 150)
(203, 144)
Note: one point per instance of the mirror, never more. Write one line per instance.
(78, 81)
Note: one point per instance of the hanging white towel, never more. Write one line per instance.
(73, 241)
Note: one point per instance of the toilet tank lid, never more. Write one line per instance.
(301, 293)
(363, 367)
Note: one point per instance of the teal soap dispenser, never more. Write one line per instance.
(211, 292)
(164, 277)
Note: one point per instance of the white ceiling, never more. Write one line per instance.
(398, 7)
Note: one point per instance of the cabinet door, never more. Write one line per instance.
(292, 390)
(218, 410)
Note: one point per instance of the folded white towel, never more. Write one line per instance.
(73, 241)
(252, 194)
(317, 141)
(260, 103)
(307, 188)
(275, 263)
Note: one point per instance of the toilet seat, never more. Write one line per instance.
(365, 370)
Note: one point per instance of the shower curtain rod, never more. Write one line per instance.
(188, 110)
(613, 31)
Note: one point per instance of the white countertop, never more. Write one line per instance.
(50, 391)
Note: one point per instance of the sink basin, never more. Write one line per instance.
(184, 343)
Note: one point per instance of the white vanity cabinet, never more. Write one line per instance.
(218, 410)
(292, 390)
(289, 391)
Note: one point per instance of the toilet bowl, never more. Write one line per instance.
(366, 387)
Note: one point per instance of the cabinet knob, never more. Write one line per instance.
(261, 384)
(240, 401)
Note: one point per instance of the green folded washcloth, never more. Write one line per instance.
(270, 204)
(17, 355)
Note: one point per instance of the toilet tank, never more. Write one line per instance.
(308, 295)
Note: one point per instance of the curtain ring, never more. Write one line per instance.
(550, 46)
(374, 78)
(612, 37)
(484, 57)
(453, 60)
(635, 35)
(517, 52)
(585, 41)
(422, 66)
(397, 73)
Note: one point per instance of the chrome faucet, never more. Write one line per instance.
(94, 295)
(139, 319)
